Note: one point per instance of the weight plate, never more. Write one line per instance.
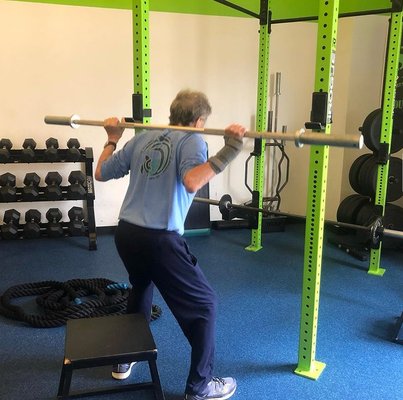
(354, 171)
(349, 207)
(366, 176)
(376, 232)
(397, 135)
(225, 202)
(366, 214)
(394, 191)
(371, 130)
(356, 204)
(393, 218)
(343, 211)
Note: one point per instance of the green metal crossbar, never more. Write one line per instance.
(388, 105)
(283, 9)
(318, 169)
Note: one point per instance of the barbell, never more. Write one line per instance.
(375, 231)
(300, 137)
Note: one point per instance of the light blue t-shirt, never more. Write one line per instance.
(157, 160)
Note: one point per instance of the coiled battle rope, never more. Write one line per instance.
(60, 301)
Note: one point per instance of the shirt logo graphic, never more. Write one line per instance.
(157, 157)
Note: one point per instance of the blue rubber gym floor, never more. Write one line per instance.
(257, 328)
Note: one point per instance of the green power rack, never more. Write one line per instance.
(327, 19)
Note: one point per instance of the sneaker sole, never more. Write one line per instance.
(225, 397)
(123, 375)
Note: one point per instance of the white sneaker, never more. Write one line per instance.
(217, 389)
(122, 371)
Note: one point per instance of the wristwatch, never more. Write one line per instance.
(109, 143)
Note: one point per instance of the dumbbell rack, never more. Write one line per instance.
(87, 158)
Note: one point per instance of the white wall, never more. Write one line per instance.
(358, 86)
(64, 60)
(368, 42)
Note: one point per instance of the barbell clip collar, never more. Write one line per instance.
(298, 135)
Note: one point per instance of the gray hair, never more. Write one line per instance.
(188, 106)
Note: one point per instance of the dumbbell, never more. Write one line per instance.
(30, 191)
(9, 230)
(53, 191)
(28, 153)
(32, 229)
(76, 224)
(73, 151)
(76, 190)
(54, 227)
(8, 192)
(5, 147)
(51, 153)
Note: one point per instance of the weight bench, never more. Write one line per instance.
(95, 342)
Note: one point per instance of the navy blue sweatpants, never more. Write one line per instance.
(162, 258)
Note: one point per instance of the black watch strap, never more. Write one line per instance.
(109, 143)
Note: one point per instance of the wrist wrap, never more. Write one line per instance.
(232, 148)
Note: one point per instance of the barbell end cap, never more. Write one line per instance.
(297, 140)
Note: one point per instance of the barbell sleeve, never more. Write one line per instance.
(299, 138)
(206, 201)
(393, 233)
(62, 120)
